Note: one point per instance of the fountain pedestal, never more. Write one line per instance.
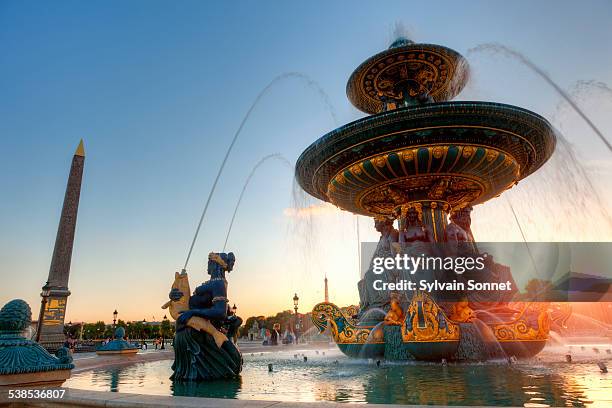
(395, 348)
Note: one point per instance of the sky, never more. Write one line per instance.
(157, 90)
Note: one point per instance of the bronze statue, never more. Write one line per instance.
(412, 228)
(202, 349)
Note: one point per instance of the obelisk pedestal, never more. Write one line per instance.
(50, 329)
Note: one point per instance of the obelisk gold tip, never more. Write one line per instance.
(80, 151)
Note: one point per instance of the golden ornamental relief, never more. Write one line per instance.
(467, 151)
(350, 312)
(439, 151)
(492, 155)
(532, 324)
(386, 198)
(427, 322)
(370, 195)
(340, 178)
(402, 210)
(384, 77)
(407, 155)
(342, 326)
(380, 161)
(439, 189)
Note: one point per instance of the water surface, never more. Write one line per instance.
(333, 377)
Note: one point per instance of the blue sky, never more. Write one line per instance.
(157, 89)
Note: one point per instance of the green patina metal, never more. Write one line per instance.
(118, 344)
(19, 355)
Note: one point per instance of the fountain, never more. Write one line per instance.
(118, 345)
(424, 162)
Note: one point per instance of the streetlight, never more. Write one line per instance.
(144, 324)
(115, 318)
(296, 299)
(234, 308)
(46, 291)
(163, 332)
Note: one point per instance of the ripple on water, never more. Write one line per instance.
(336, 378)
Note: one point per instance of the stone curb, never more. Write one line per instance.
(83, 398)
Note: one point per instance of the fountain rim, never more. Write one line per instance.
(305, 178)
(362, 101)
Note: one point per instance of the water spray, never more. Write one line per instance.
(507, 51)
(277, 156)
(309, 82)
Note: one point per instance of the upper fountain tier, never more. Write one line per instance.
(417, 147)
(407, 74)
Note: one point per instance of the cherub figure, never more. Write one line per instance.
(395, 316)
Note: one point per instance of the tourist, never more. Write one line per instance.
(275, 334)
(267, 336)
(287, 337)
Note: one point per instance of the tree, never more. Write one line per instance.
(285, 319)
(136, 330)
(244, 329)
(109, 331)
(94, 331)
(73, 330)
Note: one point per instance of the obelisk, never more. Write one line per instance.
(50, 329)
(326, 291)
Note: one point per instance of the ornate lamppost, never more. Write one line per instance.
(296, 299)
(115, 319)
(234, 308)
(46, 291)
(144, 330)
(163, 332)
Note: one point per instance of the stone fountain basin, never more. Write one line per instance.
(478, 149)
(41, 379)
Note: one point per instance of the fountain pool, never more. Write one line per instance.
(545, 381)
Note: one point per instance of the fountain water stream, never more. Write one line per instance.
(295, 75)
(563, 188)
(275, 156)
(507, 51)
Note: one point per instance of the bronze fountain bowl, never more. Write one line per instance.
(464, 153)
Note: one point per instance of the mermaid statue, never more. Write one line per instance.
(205, 327)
